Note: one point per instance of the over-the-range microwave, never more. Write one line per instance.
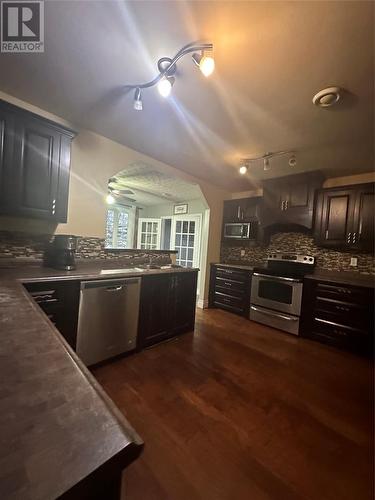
(241, 230)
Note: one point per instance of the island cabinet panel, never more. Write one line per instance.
(344, 217)
(230, 289)
(34, 165)
(339, 315)
(167, 306)
(60, 302)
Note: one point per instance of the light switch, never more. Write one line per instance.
(353, 261)
(242, 253)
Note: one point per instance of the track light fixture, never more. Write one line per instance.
(202, 57)
(266, 160)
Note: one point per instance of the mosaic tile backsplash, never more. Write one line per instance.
(29, 245)
(302, 244)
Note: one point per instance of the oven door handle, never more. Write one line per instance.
(274, 314)
(277, 278)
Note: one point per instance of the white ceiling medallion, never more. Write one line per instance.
(327, 97)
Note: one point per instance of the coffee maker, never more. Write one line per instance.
(59, 253)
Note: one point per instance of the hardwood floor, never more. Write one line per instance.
(239, 411)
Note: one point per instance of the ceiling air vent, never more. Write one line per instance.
(327, 97)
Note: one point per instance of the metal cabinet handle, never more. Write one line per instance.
(114, 288)
(277, 278)
(276, 315)
(238, 212)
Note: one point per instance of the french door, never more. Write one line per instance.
(149, 234)
(185, 238)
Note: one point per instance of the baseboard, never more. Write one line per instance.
(202, 303)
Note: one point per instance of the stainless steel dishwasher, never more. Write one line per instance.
(108, 318)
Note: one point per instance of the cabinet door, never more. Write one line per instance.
(335, 211)
(363, 230)
(37, 160)
(232, 211)
(6, 160)
(155, 315)
(183, 298)
(250, 208)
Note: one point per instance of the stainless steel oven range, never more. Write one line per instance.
(276, 291)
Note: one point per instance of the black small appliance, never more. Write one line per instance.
(60, 252)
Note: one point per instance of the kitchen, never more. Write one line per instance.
(187, 251)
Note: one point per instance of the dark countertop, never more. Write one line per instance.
(244, 266)
(341, 277)
(57, 425)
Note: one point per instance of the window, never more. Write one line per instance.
(119, 231)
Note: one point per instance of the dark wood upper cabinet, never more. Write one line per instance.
(344, 217)
(290, 200)
(241, 210)
(34, 165)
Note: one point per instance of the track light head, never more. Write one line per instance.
(138, 100)
(205, 63)
(243, 169)
(165, 85)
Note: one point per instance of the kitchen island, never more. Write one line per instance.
(61, 435)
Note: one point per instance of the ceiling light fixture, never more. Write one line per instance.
(167, 69)
(205, 63)
(138, 105)
(110, 200)
(266, 160)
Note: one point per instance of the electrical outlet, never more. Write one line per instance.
(242, 253)
(353, 262)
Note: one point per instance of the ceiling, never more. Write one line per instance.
(271, 58)
(143, 185)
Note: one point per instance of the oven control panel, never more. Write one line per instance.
(303, 259)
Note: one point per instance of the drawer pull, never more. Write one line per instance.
(342, 308)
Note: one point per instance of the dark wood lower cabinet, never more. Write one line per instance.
(60, 301)
(167, 306)
(339, 315)
(230, 289)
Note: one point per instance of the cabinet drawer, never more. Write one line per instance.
(340, 335)
(344, 293)
(223, 298)
(232, 274)
(229, 307)
(356, 315)
(230, 291)
(230, 284)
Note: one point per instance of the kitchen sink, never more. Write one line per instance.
(122, 271)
